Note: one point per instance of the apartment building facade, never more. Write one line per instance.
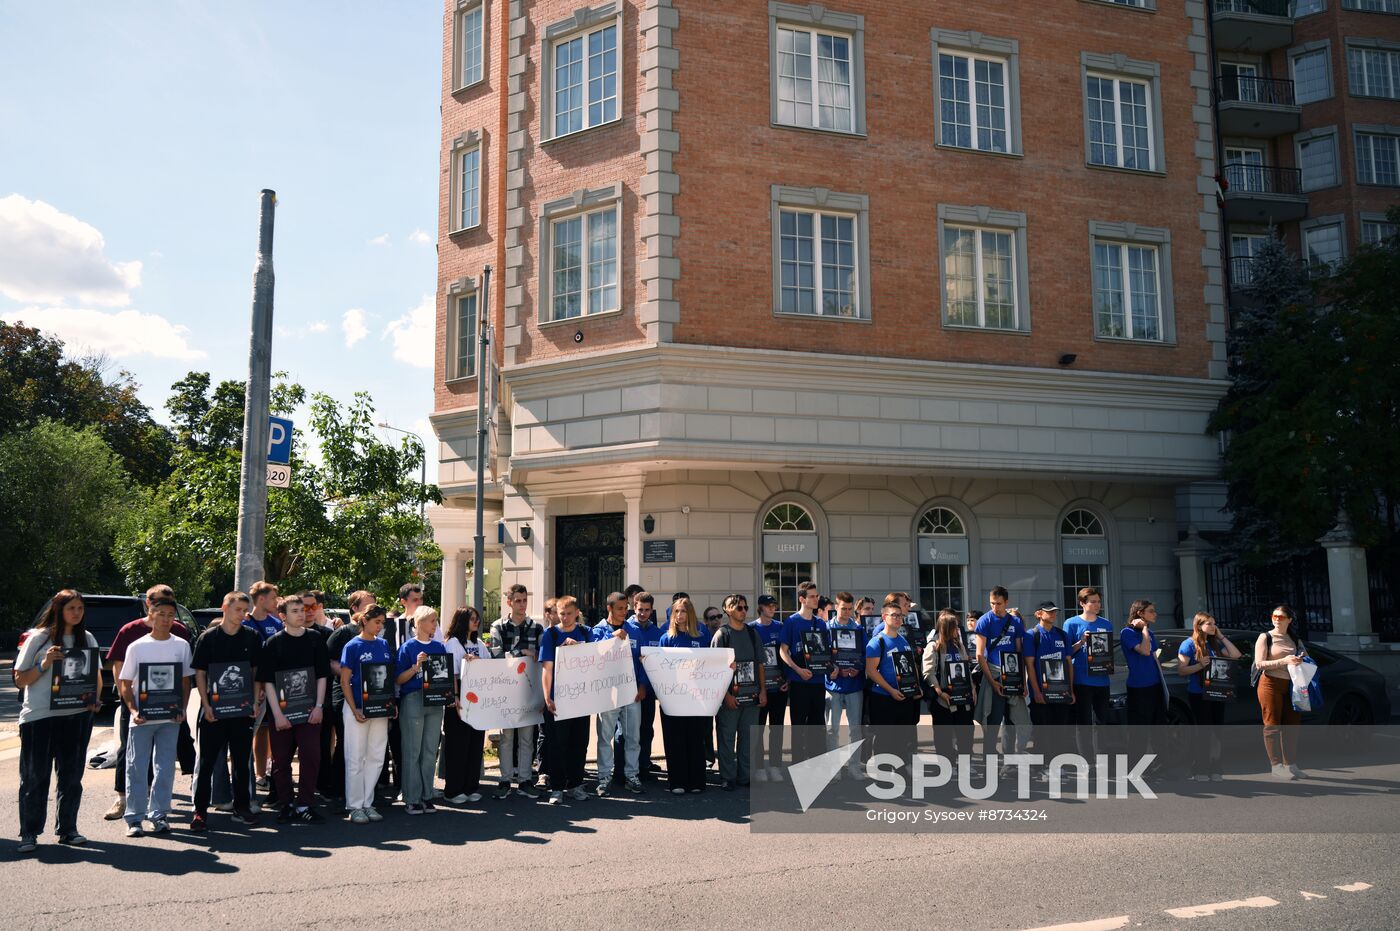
(888, 295)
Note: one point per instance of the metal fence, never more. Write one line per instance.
(1382, 573)
(1240, 596)
(1250, 89)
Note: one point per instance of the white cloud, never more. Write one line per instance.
(315, 327)
(319, 326)
(413, 334)
(118, 334)
(48, 256)
(381, 240)
(420, 237)
(352, 324)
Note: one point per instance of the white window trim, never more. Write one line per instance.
(1312, 135)
(1371, 129)
(1355, 7)
(974, 45)
(1001, 221)
(579, 204)
(1368, 45)
(1325, 47)
(1121, 68)
(462, 287)
(823, 201)
(1368, 217)
(1332, 219)
(459, 49)
(583, 22)
(818, 19)
(471, 140)
(1131, 234)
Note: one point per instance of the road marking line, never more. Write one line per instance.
(1205, 911)
(1354, 887)
(1101, 924)
(1312, 895)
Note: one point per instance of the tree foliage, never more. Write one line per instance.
(1311, 418)
(61, 491)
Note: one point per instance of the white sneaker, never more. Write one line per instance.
(358, 816)
(577, 793)
(1297, 773)
(1281, 772)
(760, 775)
(1216, 777)
(372, 814)
(224, 807)
(1200, 777)
(556, 798)
(775, 774)
(255, 808)
(678, 791)
(459, 799)
(474, 797)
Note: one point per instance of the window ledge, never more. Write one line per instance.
(834, 318)
(581, 318)
(1133, 341)
(1381, 184)
(452, 234)
(459, 380)
(971, 151)
(1122, 6)
(842, 133)
(475, 85)
(579, 132)
(1324, 187)
(1372, 97)
(1148, 172)
(996, 331)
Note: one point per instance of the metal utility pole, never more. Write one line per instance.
(482, 375)
(252, 488)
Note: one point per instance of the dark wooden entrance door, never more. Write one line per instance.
(588, 560)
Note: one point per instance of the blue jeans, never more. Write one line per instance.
(836, 702)
(150, 745)
(420, 727)
(629, 717)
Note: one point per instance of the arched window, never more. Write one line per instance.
(1084, 555)
(789, 553)
(943, 559)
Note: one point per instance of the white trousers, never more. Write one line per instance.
(364, 758)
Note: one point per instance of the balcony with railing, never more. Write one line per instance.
(1263, 194)
(1252, 25)
(1256, 107)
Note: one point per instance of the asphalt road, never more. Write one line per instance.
(660, 861)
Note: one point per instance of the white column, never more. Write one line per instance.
(453, 583)
(632, 530)
(541, 579)
(1346, 576)
(1191, 556)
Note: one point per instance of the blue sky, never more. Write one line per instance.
(134, 139)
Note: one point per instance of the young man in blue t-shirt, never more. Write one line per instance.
(1001, 634)
(625, 722)
(1091, 691)
(770, 716)
(645, 632)
(1048, 654)
(806, 690)
(567, 739)
(845, 684)
(890, 706)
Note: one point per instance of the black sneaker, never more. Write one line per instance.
(198, 824)
(287, 815)
(247, 817)
(728, 786)
(310, 815)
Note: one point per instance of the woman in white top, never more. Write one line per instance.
(55, 738)
(1274, 652)
(462, 744)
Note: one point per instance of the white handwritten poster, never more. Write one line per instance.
(501, 693)
(689, 681)
(590, 678)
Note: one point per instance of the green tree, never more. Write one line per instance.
(1311, 416)
(37, 382)
(61, 492)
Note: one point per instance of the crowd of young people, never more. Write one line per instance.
(278, 680)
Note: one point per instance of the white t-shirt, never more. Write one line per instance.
(149, 650)
(458, 651)
(36, 696)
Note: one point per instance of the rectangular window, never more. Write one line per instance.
(583, 264)
(1311, 80)
(1374, 232)
(1377, 159)
(942, 586)
(585, 80)
(469, 188)
(1244, 169)
(780, 579)
(1305, 7)
(469, 32)
(465, 350)
(1374, 72)
(1077, 577)
(818, 264)
(1318, 160)
(1373, 6)
(1127, 291)
(979, 277)
(1323, 246)
(972, 100)
(814, 79)
(1243, 248)
(1120, 123)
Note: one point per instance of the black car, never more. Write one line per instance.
(104, 615)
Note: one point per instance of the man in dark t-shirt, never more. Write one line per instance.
(226, 642)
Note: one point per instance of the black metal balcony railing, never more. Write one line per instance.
(1276, 91)
(1241, 271)
(1261, 179)
(1258, 7)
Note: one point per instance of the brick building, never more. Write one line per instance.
(889, 294)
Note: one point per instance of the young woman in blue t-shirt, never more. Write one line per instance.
(1193, 661)
(685, 737)
(1147, 693)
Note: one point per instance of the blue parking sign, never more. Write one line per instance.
(279, 440)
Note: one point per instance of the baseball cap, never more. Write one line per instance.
(766, 600)
(1047, 606)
